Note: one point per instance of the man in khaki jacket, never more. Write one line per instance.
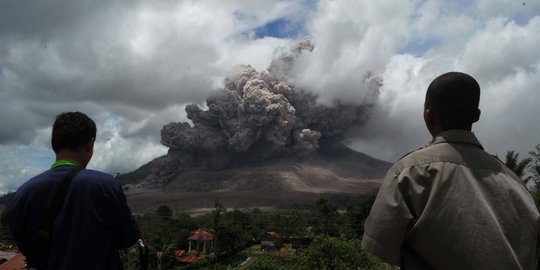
(451, 205)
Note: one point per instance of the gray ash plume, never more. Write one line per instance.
(259, 116)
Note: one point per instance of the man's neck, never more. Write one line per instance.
(70, 155)
(437, 129)
(65, 163)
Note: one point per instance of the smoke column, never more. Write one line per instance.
(259, 116)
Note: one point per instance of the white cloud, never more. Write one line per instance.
(351, 38)
(501, 49)
(510, 110)
(505, 59)
(133, 65)
(396, 126)
(508, 8)
(114, 153)
(499, 52)
(20, 163)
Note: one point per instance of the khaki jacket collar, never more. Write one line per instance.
(457, 136)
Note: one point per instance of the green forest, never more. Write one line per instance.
(335, 232)
(334, 237)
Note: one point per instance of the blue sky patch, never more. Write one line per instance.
(420, 47)
(281, 28)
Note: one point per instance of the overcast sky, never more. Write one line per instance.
(132, 66)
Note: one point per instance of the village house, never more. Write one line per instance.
(200, 242)
(271, 241)
(11, 260)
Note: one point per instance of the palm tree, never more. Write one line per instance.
(518, 167)
(534, 165)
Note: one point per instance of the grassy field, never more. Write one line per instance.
(261, 260)
(285, 259)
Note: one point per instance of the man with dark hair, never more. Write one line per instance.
(453, 98)
(451, 205)
(93, 220)
(72, 131)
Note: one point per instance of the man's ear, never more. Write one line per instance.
(430, 120)
(428, 116)
(476, 116)
(89, 145)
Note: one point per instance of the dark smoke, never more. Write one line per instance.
(259, 116)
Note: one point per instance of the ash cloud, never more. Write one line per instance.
(259, 115)
(256, 117)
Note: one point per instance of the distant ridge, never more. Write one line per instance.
(6, 199)
(336, 172)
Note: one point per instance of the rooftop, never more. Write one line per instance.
(15, 262)
(201, 235)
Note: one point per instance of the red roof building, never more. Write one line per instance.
(201, 237)
(179, 253)
(188, 259)
(14, 263)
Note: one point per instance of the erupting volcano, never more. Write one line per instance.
(259, 132)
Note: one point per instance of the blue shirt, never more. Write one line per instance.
(92, 225)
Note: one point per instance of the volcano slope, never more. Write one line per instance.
(340, 174)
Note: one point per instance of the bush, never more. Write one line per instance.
(336, 253)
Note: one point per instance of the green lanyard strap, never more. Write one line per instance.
(64, 163)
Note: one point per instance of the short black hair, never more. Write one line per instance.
(454, 98)
(72, 130)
